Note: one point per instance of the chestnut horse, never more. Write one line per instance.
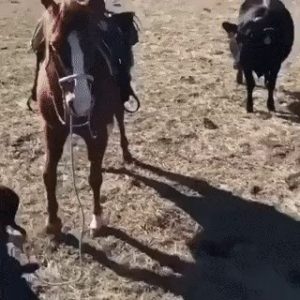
(76, 92)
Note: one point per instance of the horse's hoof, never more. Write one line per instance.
(97, 223)
(54, 227)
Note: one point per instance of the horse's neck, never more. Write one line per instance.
(49, 80)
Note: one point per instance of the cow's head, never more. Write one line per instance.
(232, 30)
(253, 30)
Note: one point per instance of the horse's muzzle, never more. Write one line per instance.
(72, 108)
(78, 100)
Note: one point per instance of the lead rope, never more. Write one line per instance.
(81, 209)
(60, 119)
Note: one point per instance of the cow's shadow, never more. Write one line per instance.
(247, 250)
(292, 111)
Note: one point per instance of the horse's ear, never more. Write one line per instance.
(50, 4)
(230, 27)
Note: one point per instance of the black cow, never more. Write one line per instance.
(260, 42)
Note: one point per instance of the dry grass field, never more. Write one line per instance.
(210, 210)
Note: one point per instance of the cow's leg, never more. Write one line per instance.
(127, 157)
(250, 87)
(267, 75)
(239, 76)
(54, 146)
(271, 86)
(96, 150)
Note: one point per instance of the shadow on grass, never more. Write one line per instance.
(293, 108)
(247, 250)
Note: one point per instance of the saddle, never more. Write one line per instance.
(120, 34)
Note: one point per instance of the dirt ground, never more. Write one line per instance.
(211, 208)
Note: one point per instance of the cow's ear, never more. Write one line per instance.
(230, 28)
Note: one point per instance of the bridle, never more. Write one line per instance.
(63, 76)
(70, 78)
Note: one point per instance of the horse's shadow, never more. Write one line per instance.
(246, 251)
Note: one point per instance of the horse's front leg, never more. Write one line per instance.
(55, 140)
(127, 157)
(96, 150)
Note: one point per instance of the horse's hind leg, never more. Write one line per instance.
(96, 150)
(54, 143)
(127, 157)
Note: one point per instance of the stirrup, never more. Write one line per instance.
(137, 100)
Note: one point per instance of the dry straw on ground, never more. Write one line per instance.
(195, 182)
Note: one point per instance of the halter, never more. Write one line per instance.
(74, 77)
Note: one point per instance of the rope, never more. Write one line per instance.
(81, 209)
(60, 119)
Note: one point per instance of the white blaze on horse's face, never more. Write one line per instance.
(79, 100)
